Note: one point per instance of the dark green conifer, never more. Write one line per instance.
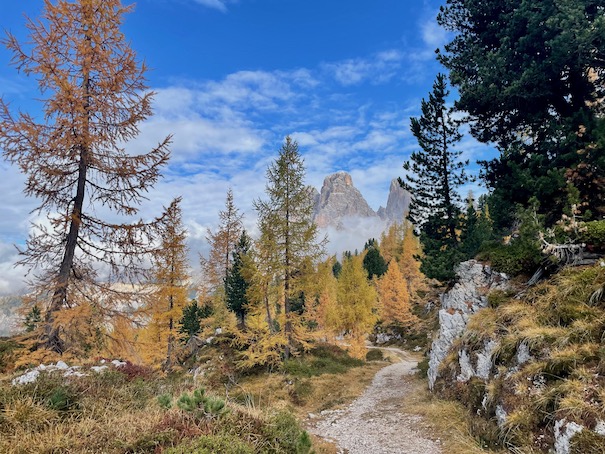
(236, 286)
(433, 175)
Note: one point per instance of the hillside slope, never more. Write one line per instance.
(544, 385)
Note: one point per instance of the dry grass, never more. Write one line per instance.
(563, 379)
(445, 420)
(305, 395)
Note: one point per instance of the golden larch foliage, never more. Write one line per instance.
(326, 310)
(171, 290)
(357, 300)
(395, 308)
(94, 96)
(222, 244)
(391, 242)
(408, 264)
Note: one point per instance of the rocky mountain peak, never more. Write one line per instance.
(339, 199)
(397, 204)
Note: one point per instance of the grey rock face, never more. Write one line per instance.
(564, 431)
(397, 204)
(468, 296)
(339, 199)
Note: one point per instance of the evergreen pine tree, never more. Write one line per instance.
(32, 319)
(236, 286)
(476, 229)
(433, 175)
(190, 322)
(373, 262)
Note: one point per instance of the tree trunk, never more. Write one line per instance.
(268, 309)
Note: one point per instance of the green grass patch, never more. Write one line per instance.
(324, 359)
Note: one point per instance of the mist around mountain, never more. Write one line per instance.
(345, 216)
(9, 315)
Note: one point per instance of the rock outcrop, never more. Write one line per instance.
(339, 199)
(397, 204)
(468, 296)
(506, 363)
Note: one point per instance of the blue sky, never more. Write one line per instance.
(234, 77)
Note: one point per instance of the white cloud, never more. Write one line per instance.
(11, 276)
(433, 35)
(376, 69)
(220, 5)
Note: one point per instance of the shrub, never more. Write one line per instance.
(165, 401)
(62, 399)
(423, 368)
(518, 257)
(8, 353)
(374, 354)
(594, 235)
(587, 442)
(496, 297)
(321, 360)
(201, 405)
(300, 391)
(284, 435)
(210, 444)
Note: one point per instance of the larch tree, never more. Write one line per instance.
(94, 97)
(433, 175)
(395, 309)
(222, 244)
(391, 242)
(287, 227)
(357, 300)
(171, 271)
(326, 311)
(409, 263)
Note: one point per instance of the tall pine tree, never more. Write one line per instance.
(433, 175)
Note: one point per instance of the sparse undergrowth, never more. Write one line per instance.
(444, 419)
(119, 412)
(140, 410)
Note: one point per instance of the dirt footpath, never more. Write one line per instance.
(375, 422)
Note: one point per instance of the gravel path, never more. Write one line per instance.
(375, 422)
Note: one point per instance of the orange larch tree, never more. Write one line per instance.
(395, 309)
(391, 242)
(222, 244)
(94, 98)
(356, 304)
(171, 282)
(409, 263)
